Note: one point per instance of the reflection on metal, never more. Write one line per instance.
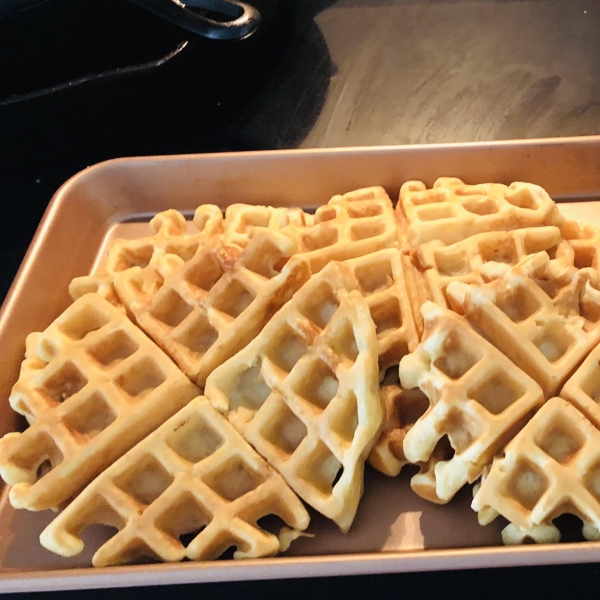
(14, 99)
(405, 533)
(243, 18)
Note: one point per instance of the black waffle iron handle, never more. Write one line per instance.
(241, 19)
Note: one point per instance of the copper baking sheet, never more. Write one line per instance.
(394, 530)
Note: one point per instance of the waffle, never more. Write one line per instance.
(542, 317)
(582, 389)
(477, 259)
(193, 473)
(169, 237)
(380, 279)
(242, 219)
(219, 301)
(305, 393)
(550, 468)
(401, 409)
(348, 226)
(478, 399)
(451, 210)
(424, 483)
(585, 241)
(92, 385)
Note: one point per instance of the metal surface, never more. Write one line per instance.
(430, 71)
(394, 530)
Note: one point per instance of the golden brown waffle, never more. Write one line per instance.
(92, 385)
(477, 259)
(169, 237)
(193, 473)
(209, 309)
(348, 226)
(380, 279)
(451, 210)
(401, 409)
(542, 316)
(305, 392)
(242, 219)
(478, 399)
(550, 468)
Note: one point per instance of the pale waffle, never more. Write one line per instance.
(349, 225)
(478, 399)
(170, 237)
(476, 260)
(191, 489)
(544, 317)
(210, 308)
(380, 279)
(401, 409)
(305, 392)
(550, 468)
(242, 219)
(451, 210)
(92, 385)
(582, 389)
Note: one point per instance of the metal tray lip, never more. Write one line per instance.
(36, 241)
(13, 580)
(298, 567)
(371, 563)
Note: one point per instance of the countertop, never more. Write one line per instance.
(84, 82)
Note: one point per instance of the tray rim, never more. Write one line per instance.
(14, 580)
(371, 563)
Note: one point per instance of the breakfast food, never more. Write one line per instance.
(451, 210)
(348, 226)
(550, 468)
(209, 308)
(585, 241)
(477, 259)
(401, 409)
(170, 237)
(430, 334)
(242, 219)
(191, 489)
(379, 276)
(478, 399)
(541, 315)
(92, 385)
(582, 389)
(305, 393)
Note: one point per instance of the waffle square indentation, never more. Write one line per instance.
(194, 439)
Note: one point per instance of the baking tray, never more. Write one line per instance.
(394, 529)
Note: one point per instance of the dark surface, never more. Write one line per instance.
(325, 73)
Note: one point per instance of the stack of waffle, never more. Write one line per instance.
(223, 370)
